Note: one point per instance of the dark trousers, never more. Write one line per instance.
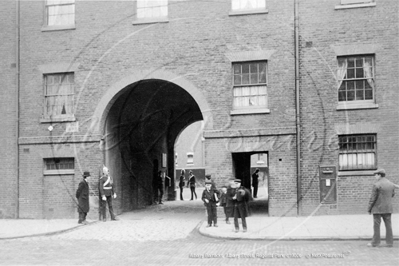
(388, 227)
(193, 193)
(103, 208)
(181, 193)
(212, 214)
(255, 190)
(239, 212)
(226, 213)
(160, 194)
(82, 217)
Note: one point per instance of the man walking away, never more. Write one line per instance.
(380, 205)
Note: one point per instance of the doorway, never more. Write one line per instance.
(244, 165)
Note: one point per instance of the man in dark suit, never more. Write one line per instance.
(241, 198)
(255, 182)
(106, 187)
(82, 194)
(380, 205)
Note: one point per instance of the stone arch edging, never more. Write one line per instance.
(107, 100)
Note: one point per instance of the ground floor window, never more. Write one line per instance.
(357, 152)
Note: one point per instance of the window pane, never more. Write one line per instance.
(262, 72)
(351, 73)
(245, 78)
(237, 69)
(368, 94)
(237, 79)
(359, 73)
(351, 62)
(245, 68)
(254, 78)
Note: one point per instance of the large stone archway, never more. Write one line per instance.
(140, 118)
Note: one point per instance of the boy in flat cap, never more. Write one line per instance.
(240, 199)
(82, 195)
(380, 205)
(210, 198)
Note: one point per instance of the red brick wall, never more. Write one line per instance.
(194, 44)
(324, 26)
(8, 114)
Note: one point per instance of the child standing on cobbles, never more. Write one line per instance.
(223, 202)
(210, 198)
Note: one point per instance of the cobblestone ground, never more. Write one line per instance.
(167, 235)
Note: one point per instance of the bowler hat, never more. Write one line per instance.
(380, 172)
(237, 180)
(86, 174)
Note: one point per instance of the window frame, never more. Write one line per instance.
(47, 115)
(190, 158)
(251, 108)
(346, 4)
(47, 27)
(245, 11)
(58, 171)
(345, 80)
(357, 151)
(148, 20)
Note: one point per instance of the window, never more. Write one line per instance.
(149, 9)
(248, 5)
(190, 158)
(59, 166)
(60, 12)
(356, 78)
(59, 94)
(357, 152)
(351, 2)
(250, 85)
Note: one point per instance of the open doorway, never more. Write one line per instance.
(244, 166)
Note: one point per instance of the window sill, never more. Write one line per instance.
(357, 173)
(248, 12)
(151, 20)
(59, 172)
(54, 28)
(356, 105)
(348, 6)
(58, 119)
(250, 111)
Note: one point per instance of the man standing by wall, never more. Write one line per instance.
(380, 205)
(82, 194)
(106, 193)
(255, 182)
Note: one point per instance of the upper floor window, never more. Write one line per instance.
(150, 9)
(59, 166)
(190, 158)
(248, 5)
(357, 152)
(59, 93)
(351, 2)
(60, 12)
(249, 85)
(356, 78)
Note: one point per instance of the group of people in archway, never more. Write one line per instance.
(233, 198)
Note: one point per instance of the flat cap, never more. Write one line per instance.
(380, 172)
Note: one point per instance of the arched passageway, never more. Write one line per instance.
(141, 125)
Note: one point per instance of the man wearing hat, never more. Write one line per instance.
(255, 182)
(240, 209)
(380, 205)
(210, 197)
(82, 194)
(106, 187)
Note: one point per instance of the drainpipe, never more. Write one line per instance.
(298, 122)
(17, 79)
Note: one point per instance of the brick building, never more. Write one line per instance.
(312, 84)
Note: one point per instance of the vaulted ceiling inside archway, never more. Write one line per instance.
(149, 110)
